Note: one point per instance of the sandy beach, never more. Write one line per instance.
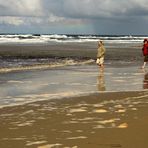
(45, 103)
(106, 120)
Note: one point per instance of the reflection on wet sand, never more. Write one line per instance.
(145, 81)
(97, 120)
(87, 121)
(101, 80)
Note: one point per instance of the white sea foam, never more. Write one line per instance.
(19, 66)
(30, 38)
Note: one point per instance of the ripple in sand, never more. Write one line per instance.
(27, 113)
(77, 110)
(85, 119)
(99, 126)
(66, 131)
(50, 145)
(71, 122)
(35, 143)
(28, 123)
(108, 121)
(100, 111)
(71, 147)
(121, 111)
(134, 109)
(73, 138)
(123, 125)
(98, 105)
(119, 106)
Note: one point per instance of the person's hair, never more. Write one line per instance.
(145, 40)
(101, 42)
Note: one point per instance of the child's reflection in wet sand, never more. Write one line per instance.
(100, 80)
(145, 81)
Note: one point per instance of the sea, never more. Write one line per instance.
(47, 38)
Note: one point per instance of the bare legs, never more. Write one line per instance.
(143, 65)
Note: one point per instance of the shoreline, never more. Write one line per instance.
(120, 94)
(34, 56)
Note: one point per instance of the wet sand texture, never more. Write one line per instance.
(74, 50)
(104, 120)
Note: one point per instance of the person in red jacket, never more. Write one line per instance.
(145, 52)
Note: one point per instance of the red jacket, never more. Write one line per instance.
(145, 49)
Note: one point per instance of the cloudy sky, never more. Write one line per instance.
(74, 16)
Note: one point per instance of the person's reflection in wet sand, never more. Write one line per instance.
(101, 81)
(145, 81)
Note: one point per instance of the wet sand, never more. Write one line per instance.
(35, 85)
(75, 107)
(72, 50)
(101, 120)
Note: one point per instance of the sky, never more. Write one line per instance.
(112, 17)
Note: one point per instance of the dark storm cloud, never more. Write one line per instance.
(98, 13)
(97, 8)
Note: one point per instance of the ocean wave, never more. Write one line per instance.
(59, 63)
(47, 38)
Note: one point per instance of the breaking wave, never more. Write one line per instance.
(47, 38)
(20, 66)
